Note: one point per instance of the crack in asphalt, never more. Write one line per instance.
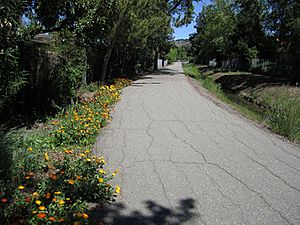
(252, 190)
(187, 143)
(217, 186)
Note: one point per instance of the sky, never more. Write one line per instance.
(184, 31)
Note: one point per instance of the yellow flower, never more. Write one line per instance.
(68, 199)
(61, 202)
(87, 151)
(42, 208)
(35, 194)
(102, 171)
(118, 189)
(38, 202)
(57, 192)
(76, 223)
(71, 182)
(88, 160)
(113, 174)
(21, 187)
(29, 149)
(116, 171)
(46, 156)
(82, 155)
(100, 180)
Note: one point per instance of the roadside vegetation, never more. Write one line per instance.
(276, 106)
(49, 174)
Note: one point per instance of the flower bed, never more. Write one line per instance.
(55, 174)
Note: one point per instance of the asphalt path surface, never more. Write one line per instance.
(183, 159)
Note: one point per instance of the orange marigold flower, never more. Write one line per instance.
(27, 177)
(48, 195)
(61, 202)
(51, 218)
(78, 177)
(71, 182)
(42, 208)
(41, 215)
(53, 176)
(85, 216)
(4, 200)
(54, 199)
(61, 220)
(68, 151)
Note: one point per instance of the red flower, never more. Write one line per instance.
(4, 200)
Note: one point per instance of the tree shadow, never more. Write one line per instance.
(166, 71)
(237, 83)
(141, 84)
(153, 214)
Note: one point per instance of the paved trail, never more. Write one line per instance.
(185, 160)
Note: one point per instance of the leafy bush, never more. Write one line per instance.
(191, 70)
(11, 35)
(54, 171)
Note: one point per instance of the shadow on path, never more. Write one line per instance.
(153, 214)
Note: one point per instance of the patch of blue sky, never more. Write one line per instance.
(184, 31)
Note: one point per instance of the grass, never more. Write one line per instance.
(281, 104)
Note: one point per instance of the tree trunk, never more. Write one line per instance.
(155, 62)
(105, 63)
(85, 68)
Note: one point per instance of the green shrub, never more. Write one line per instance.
(192, 70)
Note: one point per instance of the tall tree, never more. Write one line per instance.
(248, 37)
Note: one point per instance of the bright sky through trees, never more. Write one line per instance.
(184, 31)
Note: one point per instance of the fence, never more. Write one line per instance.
(257, 65)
